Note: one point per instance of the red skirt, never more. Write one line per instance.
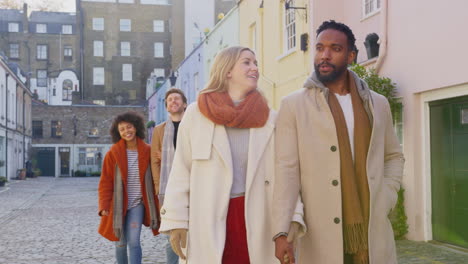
(235, 249)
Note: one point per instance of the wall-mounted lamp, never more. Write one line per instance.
(288, 6)
(173, 79)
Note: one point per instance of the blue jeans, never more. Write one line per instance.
(131, 237)
(171, 256)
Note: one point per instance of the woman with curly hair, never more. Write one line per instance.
(126, 196)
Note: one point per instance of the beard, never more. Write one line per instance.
(332, 76)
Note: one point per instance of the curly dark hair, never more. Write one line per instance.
(134, 118)
(332, 24)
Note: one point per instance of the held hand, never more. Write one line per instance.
(158, 155)
(284, 250)
(104, 212)
(293, 233)
(178, 238)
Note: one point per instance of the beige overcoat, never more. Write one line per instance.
(198, 192)
(307, 163)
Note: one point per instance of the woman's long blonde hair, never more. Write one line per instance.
(223, 63)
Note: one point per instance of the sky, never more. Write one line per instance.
(65, 5)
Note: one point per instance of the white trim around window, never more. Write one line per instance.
(67, 29)
(125, 48)
(127, 72)
(98, 48)
(125, 25)
(370, 7)
(159, 50)
(289, 26)
(98, 76)
(98, 23)
(13, 27)
(41, 28)
(158, 25)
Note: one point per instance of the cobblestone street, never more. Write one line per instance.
(54, 221)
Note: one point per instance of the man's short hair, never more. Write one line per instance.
(332, 24)
(174, 90)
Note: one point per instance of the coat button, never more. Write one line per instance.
(333, 148)
(267, 182)
(336, 220)
(335, 183)
(163, 211)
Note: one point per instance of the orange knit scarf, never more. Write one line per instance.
(252, 112)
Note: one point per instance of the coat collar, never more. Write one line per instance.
(119, 151)
(209, 134)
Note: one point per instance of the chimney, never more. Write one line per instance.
(25, 18)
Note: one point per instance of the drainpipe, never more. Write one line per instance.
(6, 130)
(384, 37)
(24, 127)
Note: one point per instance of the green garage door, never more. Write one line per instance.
(449, 168)
(46, 161)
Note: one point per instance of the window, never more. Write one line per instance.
(89, 156)
(159, 50)
(41, 53)
(67, 52)
(41, 78)
(37, 129)
(94, 130)
(371, 6)
(67, 87)
(54, 92)
(98, 76)
(98, 48)
(98, 23)
(290, 28)
(126, 1)
(125, 25)
(14, 50)
(66, 29)
(158, 25)
(126, 72)
(125, 48)
(41, 28)
(99, 102)
(159, 72)
(13, 27)
(56, 129)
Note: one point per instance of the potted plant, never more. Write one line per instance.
(3, 180)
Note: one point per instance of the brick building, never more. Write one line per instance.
(125, 41)
(45, 46)
(71, 138)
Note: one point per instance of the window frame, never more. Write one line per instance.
(11, 24)
(289, 30)
(159, 53)
(97, 73)
(41, 81)
(67, 32)
(123, 27)
(158, 28)
(97, 25)
(127, 72)
(98, 48)
(41, 28)
(17, 51)
(125, 51)
(42, 51)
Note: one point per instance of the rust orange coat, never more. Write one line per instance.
(117, 155)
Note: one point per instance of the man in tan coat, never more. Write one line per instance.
(163, 144)
(336, 148)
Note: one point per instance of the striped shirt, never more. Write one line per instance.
(133, 179)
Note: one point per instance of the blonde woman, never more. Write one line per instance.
(218, 198)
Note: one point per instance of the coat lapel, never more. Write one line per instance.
(258, 141)
(221, 144)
